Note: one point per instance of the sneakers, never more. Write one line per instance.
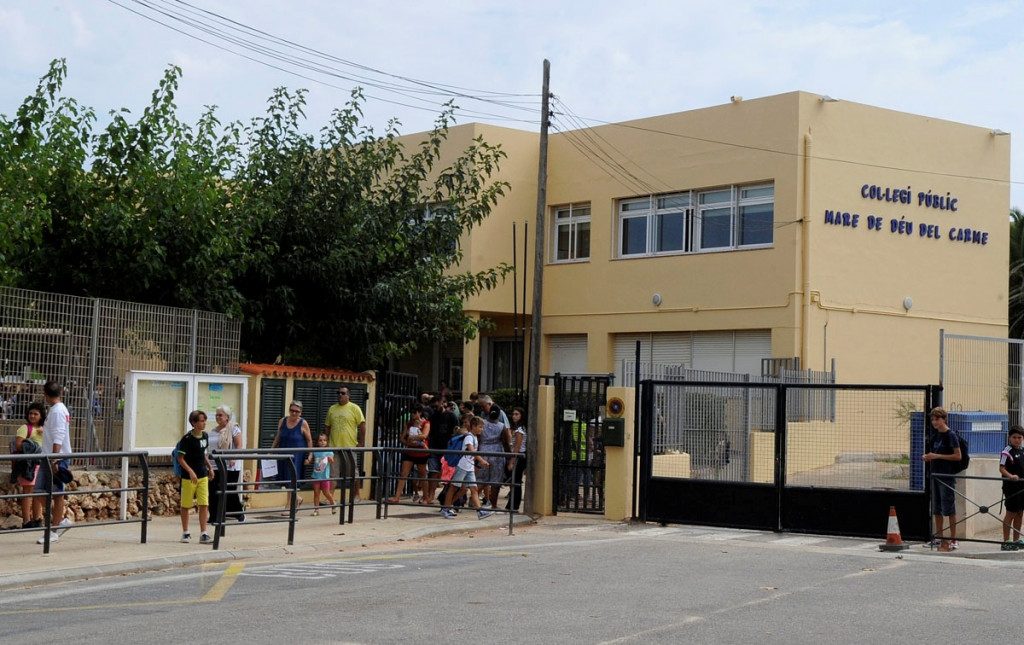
(482, 514)
(241, 519)
(316, 512)
(64, 525)
(334, 511)
(486, 504)
(954, 545)
(1008, 546)
(447, 514)
(54, 537)
(32, 524)
(186, 538)
(205, 539)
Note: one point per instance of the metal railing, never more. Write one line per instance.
(386, 464)
(391, 478)
(949, 481)
(48, 495)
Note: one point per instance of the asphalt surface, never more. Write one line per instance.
(556, 582)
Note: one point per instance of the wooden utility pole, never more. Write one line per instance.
(532, 442)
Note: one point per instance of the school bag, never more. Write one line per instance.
(965, 456)
(178, 470)
(453, 453)
(23, 469)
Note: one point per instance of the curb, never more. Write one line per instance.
(149, 565)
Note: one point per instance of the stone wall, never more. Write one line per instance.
(91, 503)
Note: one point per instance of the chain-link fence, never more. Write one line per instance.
(88, 344)
(981, 374)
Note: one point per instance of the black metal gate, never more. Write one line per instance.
(579, 453)
(816, 458)
(396, 392)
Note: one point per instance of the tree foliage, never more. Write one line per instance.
(1016, 299)
(336, 249)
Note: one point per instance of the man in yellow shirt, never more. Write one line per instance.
(346, 426)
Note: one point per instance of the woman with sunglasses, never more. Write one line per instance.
(293, 432)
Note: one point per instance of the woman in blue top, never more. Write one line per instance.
(292, 432)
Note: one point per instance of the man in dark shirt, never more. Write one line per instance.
(442, 425)
(195, 488)
(944, 458)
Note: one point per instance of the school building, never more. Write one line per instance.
(790, 226)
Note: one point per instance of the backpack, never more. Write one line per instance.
(175, 465)
(965, 456)
(453, 453)
(23, 468)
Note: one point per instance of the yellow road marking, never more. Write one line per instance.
(124, 605)
(223, 585)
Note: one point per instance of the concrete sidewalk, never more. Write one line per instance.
(90, 551)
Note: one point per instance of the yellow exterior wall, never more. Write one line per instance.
(860, 277)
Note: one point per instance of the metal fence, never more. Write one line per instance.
(678, 411)
(88, 344)
(981, 374)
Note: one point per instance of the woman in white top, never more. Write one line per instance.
(226, 435)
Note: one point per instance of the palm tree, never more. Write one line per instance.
(1016, 299)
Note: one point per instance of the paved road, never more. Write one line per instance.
(549, 584)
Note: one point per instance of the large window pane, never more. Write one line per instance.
(563, 251)
(670, 232)
(634, 235)
(756, 224)
(583, 240)
(714, 228)
(634, 206)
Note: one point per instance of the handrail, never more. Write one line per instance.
(49, 458)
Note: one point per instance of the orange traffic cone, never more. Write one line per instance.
(893, 541)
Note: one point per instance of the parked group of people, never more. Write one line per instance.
(478, 426)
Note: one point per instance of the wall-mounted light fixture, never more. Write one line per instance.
(908, 302)
(998, 133)
(825, 98)
(656, 300)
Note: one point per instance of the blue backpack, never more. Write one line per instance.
(454, 450)
(178, 471)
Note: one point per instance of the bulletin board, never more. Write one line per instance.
(157, 405)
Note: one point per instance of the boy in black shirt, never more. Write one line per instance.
(195, 488)
(1011, 466)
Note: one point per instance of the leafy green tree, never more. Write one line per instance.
(334, 250)
(1016, 298)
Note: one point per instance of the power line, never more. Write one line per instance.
(189, 17)
(798, 155)
(297, 61)
(587, 130)
(258, 32)
(600, 163)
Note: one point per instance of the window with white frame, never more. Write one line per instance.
(651, 225)
(571, 237)
(695, 221)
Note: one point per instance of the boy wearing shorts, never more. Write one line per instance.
(1011, 467)
(465, 473)
(195, 486)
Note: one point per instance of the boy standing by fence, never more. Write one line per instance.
(1011, 466)
(195, 487)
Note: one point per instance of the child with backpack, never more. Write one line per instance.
(196, 466)
(28, 441)
(944, 457)
(465, 473)
(1011, 467)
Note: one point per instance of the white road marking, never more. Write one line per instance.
(800, 540)
(318, 570)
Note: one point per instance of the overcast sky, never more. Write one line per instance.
(611, 60)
